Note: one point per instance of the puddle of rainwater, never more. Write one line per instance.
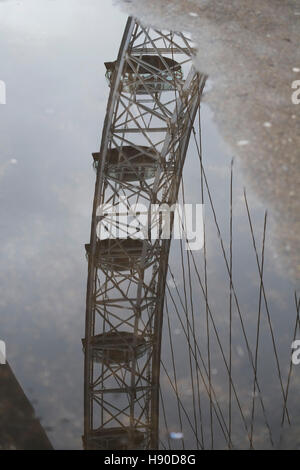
(49, 133)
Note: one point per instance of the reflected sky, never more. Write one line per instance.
(52, 60)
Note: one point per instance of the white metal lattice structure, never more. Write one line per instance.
(154, 96)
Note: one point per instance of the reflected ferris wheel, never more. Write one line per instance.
(132, 398)
(154, 95)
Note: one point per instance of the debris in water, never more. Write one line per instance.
(176, 435)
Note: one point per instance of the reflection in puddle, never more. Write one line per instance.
(154, 96)
(250, 52)
(47, 182)
(129, 401)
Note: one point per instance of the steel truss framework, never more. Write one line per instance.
(151, 109)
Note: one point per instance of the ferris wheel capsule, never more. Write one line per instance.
(129, 163)
(118, 254)
(147, 74)
(117, 347)
(115, 438)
